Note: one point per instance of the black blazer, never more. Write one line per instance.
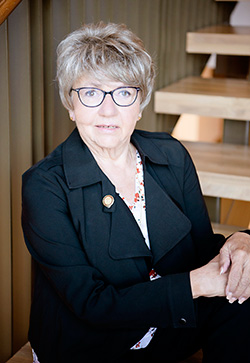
(92, 294)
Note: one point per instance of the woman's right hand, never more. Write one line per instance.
(207, 281)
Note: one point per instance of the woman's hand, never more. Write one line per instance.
(207, 281)
(235, 260)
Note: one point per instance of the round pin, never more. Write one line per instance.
(108, 201)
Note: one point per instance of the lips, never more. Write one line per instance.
(107, 126)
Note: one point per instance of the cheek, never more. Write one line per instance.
(84, 116)
(135, 115)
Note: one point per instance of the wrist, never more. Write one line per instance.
(195, 283)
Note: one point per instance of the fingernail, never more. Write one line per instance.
(232, 300)
(229, 296)
(240, 301)
(221, 271)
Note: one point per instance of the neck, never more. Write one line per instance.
(120, 168)
(119, 156)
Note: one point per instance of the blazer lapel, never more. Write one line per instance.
(126, 239)
(167, 225)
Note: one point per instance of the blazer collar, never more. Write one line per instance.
(80, 167)
(76, 154)
(147, 148)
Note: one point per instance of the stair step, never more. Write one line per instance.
(215, 97)
(225, 229)
(220, 39)
(223, 169)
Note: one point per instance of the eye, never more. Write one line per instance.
(124, 93)
(90, 93)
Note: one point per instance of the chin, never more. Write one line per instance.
(108, 141)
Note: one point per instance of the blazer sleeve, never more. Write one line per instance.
(54, 244)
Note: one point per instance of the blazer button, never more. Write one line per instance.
(108, 201)
(183, 321)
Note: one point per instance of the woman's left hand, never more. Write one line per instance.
(235, 258)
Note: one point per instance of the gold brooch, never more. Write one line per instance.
(108, 201)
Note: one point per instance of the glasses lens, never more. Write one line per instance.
(125, 96)
(90, 96)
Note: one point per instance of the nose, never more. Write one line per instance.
(108, 107)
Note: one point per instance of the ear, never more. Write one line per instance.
(72, 115)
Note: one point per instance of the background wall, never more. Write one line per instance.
(33, 121)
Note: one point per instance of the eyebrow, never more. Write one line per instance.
(99, 85)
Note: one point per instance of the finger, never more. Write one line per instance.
(225, 260)
(234, 278)
(245, 296)
(244, 283)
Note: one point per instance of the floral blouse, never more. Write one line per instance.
(138, 209)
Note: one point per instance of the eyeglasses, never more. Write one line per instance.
(94, 97)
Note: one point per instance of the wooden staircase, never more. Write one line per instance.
(223, 169)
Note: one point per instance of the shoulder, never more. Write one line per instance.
(53, 162)
(50, 162)
(46, 172)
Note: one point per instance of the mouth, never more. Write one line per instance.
(109, 127)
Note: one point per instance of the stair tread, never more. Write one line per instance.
(223, 169)
(215, 97)
(225, 229)
(220, 39)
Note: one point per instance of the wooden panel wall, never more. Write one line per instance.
(5, 202)
(33, 121)
(21, 158)
(15, 157)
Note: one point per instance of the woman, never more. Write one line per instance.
(115, 220)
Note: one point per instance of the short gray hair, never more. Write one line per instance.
(104, 51)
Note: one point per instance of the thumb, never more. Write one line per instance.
(224, 260)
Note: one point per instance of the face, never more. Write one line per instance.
(107, 126)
